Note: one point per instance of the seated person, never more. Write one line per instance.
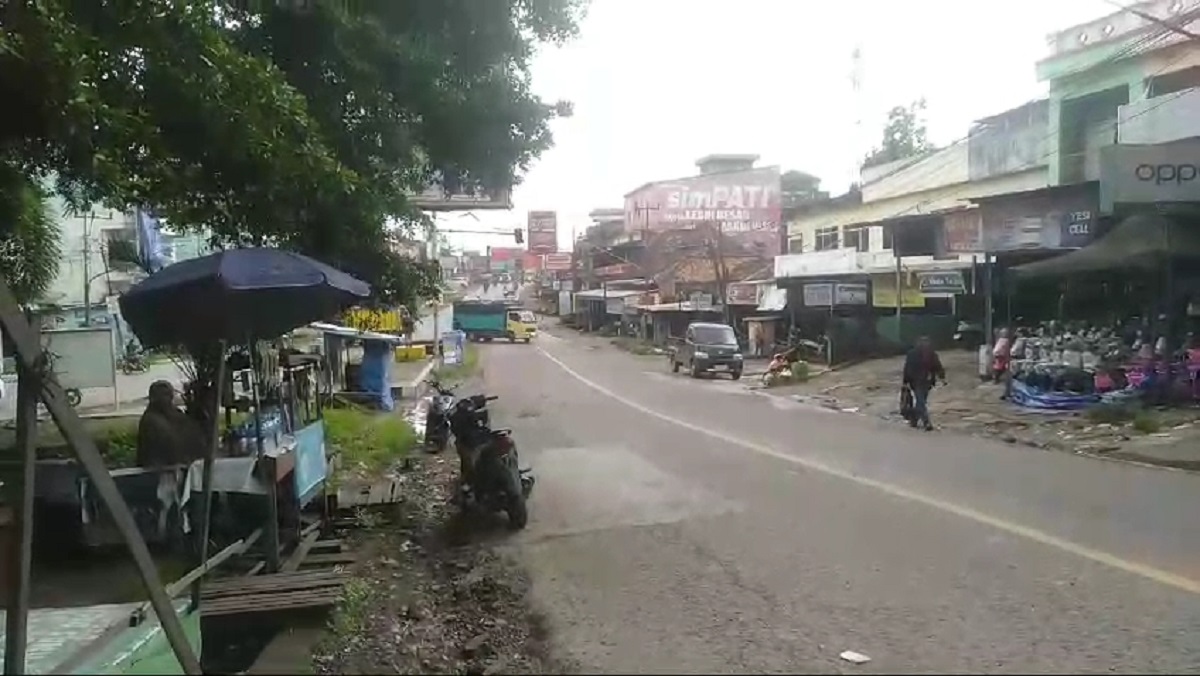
(167, 436)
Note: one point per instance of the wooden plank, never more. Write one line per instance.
(315, 583)
(256, 568)
(297, 557)
(322, 545)
(20, 564)
(279, 581)
(30, 354)
(176, 587)
(327, 559)
(272, 602)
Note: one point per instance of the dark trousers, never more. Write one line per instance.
(921, 406)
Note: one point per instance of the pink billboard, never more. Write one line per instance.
(744, 204)
(501, 254)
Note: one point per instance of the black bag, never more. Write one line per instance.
(908, 404)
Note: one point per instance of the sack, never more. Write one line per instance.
(908, 404)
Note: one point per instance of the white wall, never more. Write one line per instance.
(948, 166)
(1161, 119)
(82, 248)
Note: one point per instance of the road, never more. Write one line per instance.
(684, 526)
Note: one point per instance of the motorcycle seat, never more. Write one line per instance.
(502, 432)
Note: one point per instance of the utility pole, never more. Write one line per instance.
(87, 269)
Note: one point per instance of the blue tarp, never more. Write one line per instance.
(1032, 397)
(375, 376)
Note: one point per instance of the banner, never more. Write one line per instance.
(742, 293)
(949, 281)
(851, 294)
(745, 205)
(543, 232)
(883, 291)
(557, 262)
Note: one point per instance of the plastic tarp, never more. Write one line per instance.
(375, 378)
(1140, 242)
(1026, 396)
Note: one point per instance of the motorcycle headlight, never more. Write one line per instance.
(701, 355)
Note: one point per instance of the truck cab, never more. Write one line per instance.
(707, 348)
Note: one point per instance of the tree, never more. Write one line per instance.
(904, 135)
(299, 128)
(29, 236)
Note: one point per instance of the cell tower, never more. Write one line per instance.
(858, 147)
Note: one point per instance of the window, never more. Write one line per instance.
(514, 317)
(826, 239)
(887, 237)
(796, 245)
(856, 237)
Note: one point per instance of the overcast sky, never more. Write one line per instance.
(657, 84)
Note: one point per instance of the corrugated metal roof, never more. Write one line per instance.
(600, 294)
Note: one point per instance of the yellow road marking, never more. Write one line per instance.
(1140, 569)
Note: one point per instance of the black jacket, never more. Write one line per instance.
(922, 369)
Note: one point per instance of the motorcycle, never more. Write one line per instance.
(437, 417)
(491, 477)
(133, 363)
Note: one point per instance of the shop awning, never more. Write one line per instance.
(774, 299)
(601, 294)
(1141, 242)
(355, 334)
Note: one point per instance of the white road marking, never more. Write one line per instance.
(1140, 569)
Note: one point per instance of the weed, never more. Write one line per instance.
(349, 618)
(368, 442)
(1146, 422)
(1112, 414)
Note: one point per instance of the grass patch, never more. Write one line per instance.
(1111, 414)
(349, 617)
(1146, 422)
(634, 346)
(368, 443)
(468, 367)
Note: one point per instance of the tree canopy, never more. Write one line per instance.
(303, 125)
(904, 135)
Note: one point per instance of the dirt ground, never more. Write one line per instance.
(432, 594)
(967, 406)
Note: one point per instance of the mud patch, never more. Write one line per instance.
(430, 597)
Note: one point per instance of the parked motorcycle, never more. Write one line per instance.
(437, 416)
(491, 477)
(133, 363)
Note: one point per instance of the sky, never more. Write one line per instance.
(657, 84)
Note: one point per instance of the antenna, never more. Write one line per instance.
(858, 148)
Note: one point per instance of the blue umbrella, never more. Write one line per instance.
(236, 294)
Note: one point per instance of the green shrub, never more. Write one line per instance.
(1112, 414)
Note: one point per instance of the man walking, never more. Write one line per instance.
(922, 370)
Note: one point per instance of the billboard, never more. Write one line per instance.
(543, 232)
(501, 254)
(557, 262)
(435, 197)
(745, 205)
(532, 262)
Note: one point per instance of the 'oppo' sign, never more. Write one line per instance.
(1162, 174)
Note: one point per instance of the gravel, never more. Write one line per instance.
(433, 594)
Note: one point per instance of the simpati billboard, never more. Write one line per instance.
(543, 232)
(745, 205)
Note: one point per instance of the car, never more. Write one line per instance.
(708, 347)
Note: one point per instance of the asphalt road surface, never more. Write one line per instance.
(698, 526)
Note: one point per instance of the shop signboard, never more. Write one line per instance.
(557, 262)
(532, 262)
(701, 302)
(818, 295)
(453, 345)
(883, 291)
(851, 294)
(543, 232)
(1059, 218)
(743, 293)
(744, 204)
(1161, 173)
(946, 281)
(963, 231)
(616, 271)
